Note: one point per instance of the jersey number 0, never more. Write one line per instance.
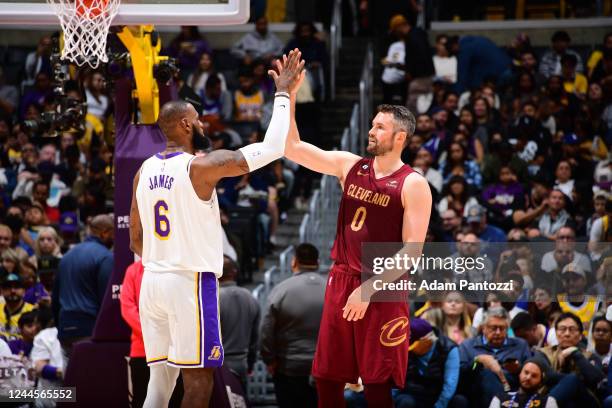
(162, 223)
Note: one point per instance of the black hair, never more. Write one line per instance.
(307, 255)
(569, 315)
(28, 318)
(522, 321)
(561, 36)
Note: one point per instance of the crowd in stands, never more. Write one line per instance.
(514, 141)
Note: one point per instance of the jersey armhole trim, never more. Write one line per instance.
(212, 196)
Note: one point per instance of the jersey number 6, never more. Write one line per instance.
(162, 223)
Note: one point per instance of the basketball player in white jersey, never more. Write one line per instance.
(175, 227)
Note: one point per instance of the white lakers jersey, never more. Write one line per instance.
(180, 231)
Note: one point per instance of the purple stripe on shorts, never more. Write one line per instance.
(212, 351)
(168, 156)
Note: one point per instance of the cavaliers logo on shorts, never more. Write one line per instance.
(394, 332)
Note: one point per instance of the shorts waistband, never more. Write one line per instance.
(345, 269)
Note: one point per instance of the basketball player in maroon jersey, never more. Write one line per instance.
(383, 200)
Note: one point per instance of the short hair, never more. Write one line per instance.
(522, 321)
(561, 36)
(601, 319)
(497, 311)
(307, 255)
(569, 59)
(212, 81)
(569, 315)
(28, 318)
(170, 113)
(403, 118)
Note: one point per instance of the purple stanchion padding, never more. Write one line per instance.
(98, 367)
(98, 370)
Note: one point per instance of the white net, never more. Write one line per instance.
(85, 24)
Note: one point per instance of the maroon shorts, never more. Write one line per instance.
(374, 348)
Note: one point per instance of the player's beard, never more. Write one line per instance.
(375, 148)
(200, 142)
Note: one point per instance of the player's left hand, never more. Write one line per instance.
(355, 307)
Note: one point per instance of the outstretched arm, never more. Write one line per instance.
(333, 163)
(208, 170)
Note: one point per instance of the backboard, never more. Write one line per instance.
(135, 12)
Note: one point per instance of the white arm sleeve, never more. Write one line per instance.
(272, 148)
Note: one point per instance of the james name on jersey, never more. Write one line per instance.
(161, 181)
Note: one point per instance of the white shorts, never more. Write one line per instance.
(179, 315)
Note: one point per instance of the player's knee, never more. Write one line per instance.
(197, 379)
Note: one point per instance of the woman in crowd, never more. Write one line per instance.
(459, 164)
(452, 318)
(206, 68)
(456, 196)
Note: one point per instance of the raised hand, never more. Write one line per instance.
(290, 72)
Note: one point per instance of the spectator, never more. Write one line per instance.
(451, 222)
(188, 47)
(458, 164)
(453, 318)
(526, 328)
(216, 103)
(306, 39)
(239, 320)
(499, 198)
(531, 381)
(445, 63)
(542, 306)
(569, 357)
(574, 299)
(258, 44)
(419, 65)
(47, 356)
(469, 247)
(573, 82)
(555, 215)
(596, 57)
(37, 95)
(602, 340)
(529, 64)
(40, 194)
(290, 329)
(424, 162)
(263, 81)
(206, 69)
(394, 71)
(38, 61)
(456, 196)
(551, 61)
(604, 68)
(478, 58)
(490, 363)
(248, 100)
(97, 101)
(9, 97)
(526, 212)
(600, 231)
(48, 243)
(13, 292)
(35, 291)
(433, 370)
(28, 329)
(564, 253)
(10, 261)
(477, 220)
(81, 282)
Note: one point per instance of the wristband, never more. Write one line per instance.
(49, 372)
(282, 94)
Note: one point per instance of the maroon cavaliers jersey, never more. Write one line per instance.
(371, 210)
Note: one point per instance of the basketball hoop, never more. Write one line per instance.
(85, 24)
